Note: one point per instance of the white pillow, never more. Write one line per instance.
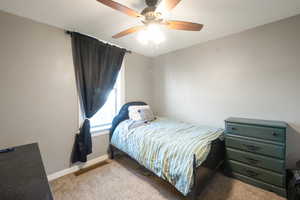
(141, 113)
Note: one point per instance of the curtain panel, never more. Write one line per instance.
(96, 65)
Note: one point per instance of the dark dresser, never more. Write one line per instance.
(22, 175)
(255, 152)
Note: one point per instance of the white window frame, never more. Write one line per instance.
(104, 129)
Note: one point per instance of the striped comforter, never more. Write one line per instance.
(166, 147)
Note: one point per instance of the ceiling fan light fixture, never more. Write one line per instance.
(143, 37)
(151, 34)
(153, 15)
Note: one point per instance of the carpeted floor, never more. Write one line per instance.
(125, 180)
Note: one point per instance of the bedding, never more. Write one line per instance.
(166, 147)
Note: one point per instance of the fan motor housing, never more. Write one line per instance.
(151, 3)
(149, 11)
(150, 14)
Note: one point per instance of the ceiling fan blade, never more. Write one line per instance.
(170, 4)
(181, 25)
(129, 31)
(120, 7)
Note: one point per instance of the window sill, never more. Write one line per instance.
(103, 130)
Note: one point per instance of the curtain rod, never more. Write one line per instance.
(70, 32)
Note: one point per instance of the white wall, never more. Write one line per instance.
(138, 86)
(253, 74)
(38, 93)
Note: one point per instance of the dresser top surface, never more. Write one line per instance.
(22, 174)
(269, 123)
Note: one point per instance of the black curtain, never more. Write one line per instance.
(97, 65)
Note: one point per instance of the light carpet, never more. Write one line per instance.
(123, 179)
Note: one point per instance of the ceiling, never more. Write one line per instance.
(220, 18)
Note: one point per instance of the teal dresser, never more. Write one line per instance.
(255, 152)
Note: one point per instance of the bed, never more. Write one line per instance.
(183, 154)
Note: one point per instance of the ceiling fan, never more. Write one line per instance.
(150, 15)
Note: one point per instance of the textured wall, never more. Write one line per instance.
(37, 86)
(38, 92)
(138, 78)
(252, 74)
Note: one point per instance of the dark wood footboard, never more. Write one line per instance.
(204, 173)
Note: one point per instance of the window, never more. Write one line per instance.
(103, 118)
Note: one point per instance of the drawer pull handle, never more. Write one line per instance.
(251, 160)
(234, 128)
(274, 134)
(251, 173)
(251, 147)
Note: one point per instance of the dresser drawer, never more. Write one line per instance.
(274, 134)
(257, 173)
(280, 191)
(255, 160)
(277, 151)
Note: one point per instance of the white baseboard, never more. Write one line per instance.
(76, 167)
